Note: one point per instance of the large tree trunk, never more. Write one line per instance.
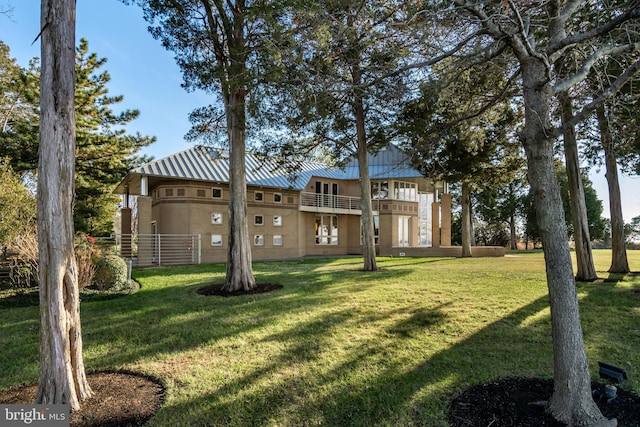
(466, 219)
(582, 238)
(619, 261)
(368, 237)
(62, 374)
(239, 269)
(571, 402)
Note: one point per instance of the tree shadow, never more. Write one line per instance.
(364, 378)
(368, 387)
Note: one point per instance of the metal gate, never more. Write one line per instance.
(159, 249)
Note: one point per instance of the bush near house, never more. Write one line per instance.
(110, 273)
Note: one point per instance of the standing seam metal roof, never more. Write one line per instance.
(210, 164)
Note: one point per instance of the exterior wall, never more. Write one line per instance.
(278, 219)
(390, 213)
(145, 218)
(354, 243)
(445, 232)
(311, 248)
(188, 207)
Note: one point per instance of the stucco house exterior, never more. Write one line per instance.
(313, 212)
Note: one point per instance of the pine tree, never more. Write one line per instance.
(478, 151)
(105, 152)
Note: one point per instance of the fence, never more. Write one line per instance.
(155, 249)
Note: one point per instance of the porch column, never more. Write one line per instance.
(125, 230)
(145, 240)
(435, 224)
(445, 233)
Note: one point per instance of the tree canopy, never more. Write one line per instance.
(17, 206)
(105, 151)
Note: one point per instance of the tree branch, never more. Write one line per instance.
(556, 48)
(492, 101)
(606, 94)
(583, 72)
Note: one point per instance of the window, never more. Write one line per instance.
(258, 220)
(277, 240)
(277, 198)
(258, 240)
(277, 220)
(168, 192)
(326, 230)
(216, 218)
(216, 240)
(217, 193)
(404, 191)
(201, 193)
(181, 192)
(380, 189)
(258, 196)
(327, 194)
(404, 230)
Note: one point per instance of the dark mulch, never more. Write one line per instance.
(120, 399)
(216, 290)
(507, 403)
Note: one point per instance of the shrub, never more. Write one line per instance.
(111, 272)
(84, 248)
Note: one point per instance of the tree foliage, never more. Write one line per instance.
(462, 128)
(343, 84)
(105, 152)
(17, 206)
(632, 230)
(226, 49)
(18, 111)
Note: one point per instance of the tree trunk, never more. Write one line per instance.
(368, 238)
(619, 261)
(239, 270)
(512, 233)
(62, 374)
(466, 220)
(582, 238)
(571, 402)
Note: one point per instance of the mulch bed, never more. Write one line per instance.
(120, 399)
(216, 290)
(507, 403)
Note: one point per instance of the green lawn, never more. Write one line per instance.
(337, 346)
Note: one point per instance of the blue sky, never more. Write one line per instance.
(140, 68)
(146, 74)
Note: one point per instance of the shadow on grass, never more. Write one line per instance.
(370, 386)
(27, 297)
(370, 380)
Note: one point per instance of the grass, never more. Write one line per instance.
(337, 346)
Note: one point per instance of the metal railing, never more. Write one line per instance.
(330, 201)
(156, 249)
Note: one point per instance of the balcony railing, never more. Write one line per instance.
(316, 202)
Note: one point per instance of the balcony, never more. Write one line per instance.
(329, 203)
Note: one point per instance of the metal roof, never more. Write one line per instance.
(203, 163)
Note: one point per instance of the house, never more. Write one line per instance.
(312, 212)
